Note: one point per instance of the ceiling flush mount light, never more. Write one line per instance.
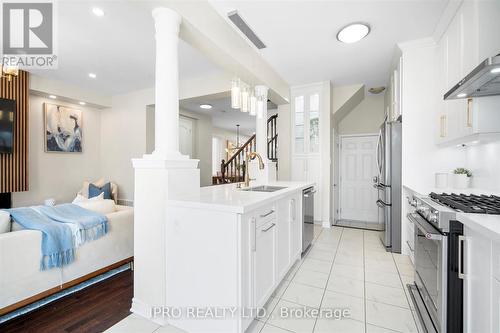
(98, 11)
(495, 70)
(376, 90)
(353, 32)
(53, 96)
(82, 103)
(92, 75)
(461, 95)
(205, 106)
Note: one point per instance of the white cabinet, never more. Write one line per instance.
(284, 230)
(495, 305)
(264, 275)
(308, 168)
(275, 238)
(477, 284)
(393, 100)
(306, 106)
(311, 140)
(463, 120)
(296, 222)
(289, 233)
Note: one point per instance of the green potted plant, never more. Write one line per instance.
(462, 178)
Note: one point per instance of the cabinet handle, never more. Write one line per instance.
(268, 213)
(469, 112)
(268, 228)
(461, 240)
(292, 210)
(443, 126)
(254, 229)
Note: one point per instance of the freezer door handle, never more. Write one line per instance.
(382, 204)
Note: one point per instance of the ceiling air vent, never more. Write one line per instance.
(245, 29)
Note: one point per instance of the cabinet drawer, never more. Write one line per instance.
(495, 255)
(264, 214)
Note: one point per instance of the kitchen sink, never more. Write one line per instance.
(264, 188)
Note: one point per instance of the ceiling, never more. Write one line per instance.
(222, 114)
(119, 47)
(301, 35)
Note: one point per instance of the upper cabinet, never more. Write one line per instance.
(311, 142)
(306, 103)
(463, 120)
(394, 93)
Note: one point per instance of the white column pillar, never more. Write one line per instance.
(269, 173)
(161, 176)
(167, 24)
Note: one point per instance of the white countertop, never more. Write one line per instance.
(231, 199)
(489, 225)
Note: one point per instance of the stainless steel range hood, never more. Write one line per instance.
(484, 80)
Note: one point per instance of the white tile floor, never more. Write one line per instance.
(344, 269)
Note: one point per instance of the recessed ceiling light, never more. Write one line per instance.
(206, 106)
(92, 75)
(53, 96)
(98, 11)
(353, 32)
(82, 103)
(461, 95)
(495, 70)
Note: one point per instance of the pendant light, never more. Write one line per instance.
(245, 98)
(235, 94)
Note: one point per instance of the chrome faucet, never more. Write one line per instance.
(248, 158)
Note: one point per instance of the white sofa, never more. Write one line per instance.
(22, 282)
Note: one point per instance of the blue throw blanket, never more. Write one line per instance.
(89, 224)
(63, 227)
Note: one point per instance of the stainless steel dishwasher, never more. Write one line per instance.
(308, 217)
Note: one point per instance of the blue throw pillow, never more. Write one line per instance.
(94, 191)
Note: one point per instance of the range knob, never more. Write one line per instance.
(433, 217)
(412, 201)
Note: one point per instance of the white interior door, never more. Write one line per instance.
(186, 136)
(357, 167)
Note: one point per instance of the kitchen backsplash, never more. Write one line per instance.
(484, 162)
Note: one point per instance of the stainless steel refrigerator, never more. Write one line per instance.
(388, 183)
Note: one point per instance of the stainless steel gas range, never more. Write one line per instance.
(438, 289)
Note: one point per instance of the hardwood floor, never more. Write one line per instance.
(90, 310)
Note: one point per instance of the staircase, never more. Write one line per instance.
(233, 171)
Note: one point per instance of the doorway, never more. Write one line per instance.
(358, 197)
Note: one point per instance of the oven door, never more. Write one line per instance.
(431, 262)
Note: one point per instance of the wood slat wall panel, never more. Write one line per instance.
(14, 167)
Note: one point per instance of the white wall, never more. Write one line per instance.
(123, 137)
(59, 175)
(484, 162)
(365, 118)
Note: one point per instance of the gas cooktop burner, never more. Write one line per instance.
(479, 204)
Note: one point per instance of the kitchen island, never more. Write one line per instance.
(228, 249)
